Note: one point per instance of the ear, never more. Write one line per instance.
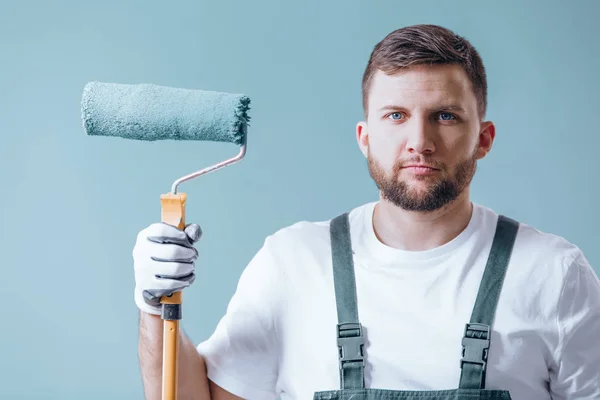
(362, 137)
(487, 133)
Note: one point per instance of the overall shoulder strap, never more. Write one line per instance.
(476, 340)
(350, 337)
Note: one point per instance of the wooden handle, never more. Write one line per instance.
(173, 213)
(170, 355)
(173, 209)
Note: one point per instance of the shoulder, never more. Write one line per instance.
(546, 249)
(310, 232)
(535, 245)
(307, 237)
(544, 259)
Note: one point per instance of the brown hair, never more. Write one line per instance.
(426, 45)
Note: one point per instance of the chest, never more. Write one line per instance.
(413, 331)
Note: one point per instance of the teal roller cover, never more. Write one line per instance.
(152, 112)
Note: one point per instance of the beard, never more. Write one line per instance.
(440, 192)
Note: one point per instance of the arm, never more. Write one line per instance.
(576, 372)
(193, 382)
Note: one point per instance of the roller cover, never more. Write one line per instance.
(153, 112)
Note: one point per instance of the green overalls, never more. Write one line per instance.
(476, 340)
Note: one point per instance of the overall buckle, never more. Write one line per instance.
(476, 344)
(350, 341)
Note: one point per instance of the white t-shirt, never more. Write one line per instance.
(278, 336)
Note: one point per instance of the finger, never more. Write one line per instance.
(165, 287)
(170, 270)
(165, 233)
(153, 297)
(170, 252)
(194, 232)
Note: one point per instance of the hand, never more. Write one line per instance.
(164, 262)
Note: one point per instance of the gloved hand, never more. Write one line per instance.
(164, 262)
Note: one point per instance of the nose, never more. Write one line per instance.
(420, 138)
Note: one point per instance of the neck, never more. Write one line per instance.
(420, 231)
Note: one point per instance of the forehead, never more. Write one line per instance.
(422, 86)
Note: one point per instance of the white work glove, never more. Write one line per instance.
(164, 262)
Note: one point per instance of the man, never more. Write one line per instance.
(436, 297)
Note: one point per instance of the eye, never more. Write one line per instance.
(447, 116)
(395, 116)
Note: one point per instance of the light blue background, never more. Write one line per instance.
(72, 205)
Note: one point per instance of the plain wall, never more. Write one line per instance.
(72, 205)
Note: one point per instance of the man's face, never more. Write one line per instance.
(423, 136)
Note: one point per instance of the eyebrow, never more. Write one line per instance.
(443, 107)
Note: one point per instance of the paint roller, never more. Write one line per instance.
(152, 112)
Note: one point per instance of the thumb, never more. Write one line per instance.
(193, 231)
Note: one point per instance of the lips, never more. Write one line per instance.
(419, 166)
(420, 169)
